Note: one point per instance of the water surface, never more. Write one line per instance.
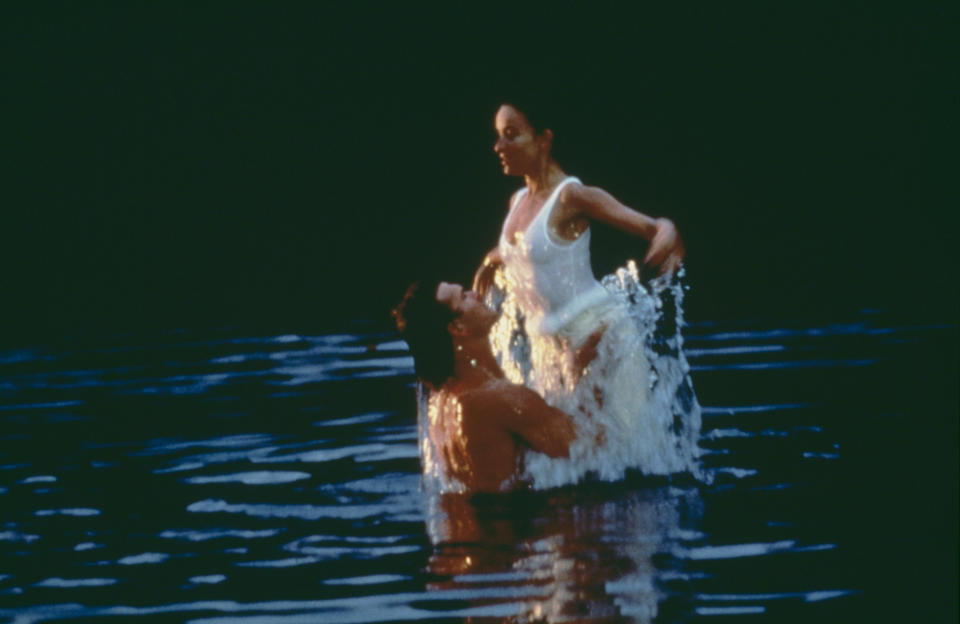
(236, 477)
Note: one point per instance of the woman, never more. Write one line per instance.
(581, 345)
(524, 151)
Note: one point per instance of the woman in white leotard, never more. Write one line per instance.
(579, 347)
(524, 151)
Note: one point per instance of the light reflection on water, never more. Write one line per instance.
(275, 479)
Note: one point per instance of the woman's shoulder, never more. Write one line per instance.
(576, 194)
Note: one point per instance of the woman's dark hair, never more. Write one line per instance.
(422, 322)
(535, 107)
(545, 109)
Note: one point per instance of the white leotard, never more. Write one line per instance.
(553, 280)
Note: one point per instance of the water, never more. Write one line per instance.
(234, 477)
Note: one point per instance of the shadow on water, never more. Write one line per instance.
(228, 477)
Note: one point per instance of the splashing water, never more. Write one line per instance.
(633, 404)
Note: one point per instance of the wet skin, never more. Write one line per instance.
(480, 423)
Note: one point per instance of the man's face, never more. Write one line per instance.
(473, 314)
(449, 295)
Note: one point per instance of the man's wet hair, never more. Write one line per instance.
(422, 322)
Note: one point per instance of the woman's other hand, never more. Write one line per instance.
(483, 278)
(666, 248)
(587, 351)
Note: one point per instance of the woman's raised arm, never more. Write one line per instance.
(666, 247)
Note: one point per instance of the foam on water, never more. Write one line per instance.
(634, 405)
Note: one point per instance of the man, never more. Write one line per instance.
(480, 424)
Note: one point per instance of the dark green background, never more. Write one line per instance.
(294, 165)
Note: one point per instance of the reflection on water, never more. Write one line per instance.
(564, 556)
(228, 478)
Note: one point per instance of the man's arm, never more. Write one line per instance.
(542, 427)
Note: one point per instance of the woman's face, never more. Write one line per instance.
(518, 147)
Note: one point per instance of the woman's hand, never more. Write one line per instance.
(587, 351)
(483, 278)
(666, 248)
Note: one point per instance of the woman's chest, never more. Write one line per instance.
(521, 217)
(538, 216)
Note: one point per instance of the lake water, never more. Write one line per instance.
(239, 477)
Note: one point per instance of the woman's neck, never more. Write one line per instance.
(545, 178)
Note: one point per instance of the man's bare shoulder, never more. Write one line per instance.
(502, 397)
(497, 391)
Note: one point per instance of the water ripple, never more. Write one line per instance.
(72, 583)
(303, 512)
(210, 579)
(373, 579)
(202, 536)
(262, 477)
(143, 558)
(736, 551)
(361, 453)
(79, 512)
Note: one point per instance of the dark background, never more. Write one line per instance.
(293, 166)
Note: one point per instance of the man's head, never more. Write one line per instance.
(473, 318)
(429, 316)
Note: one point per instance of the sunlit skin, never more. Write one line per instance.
(484, 422)
(524, 153)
